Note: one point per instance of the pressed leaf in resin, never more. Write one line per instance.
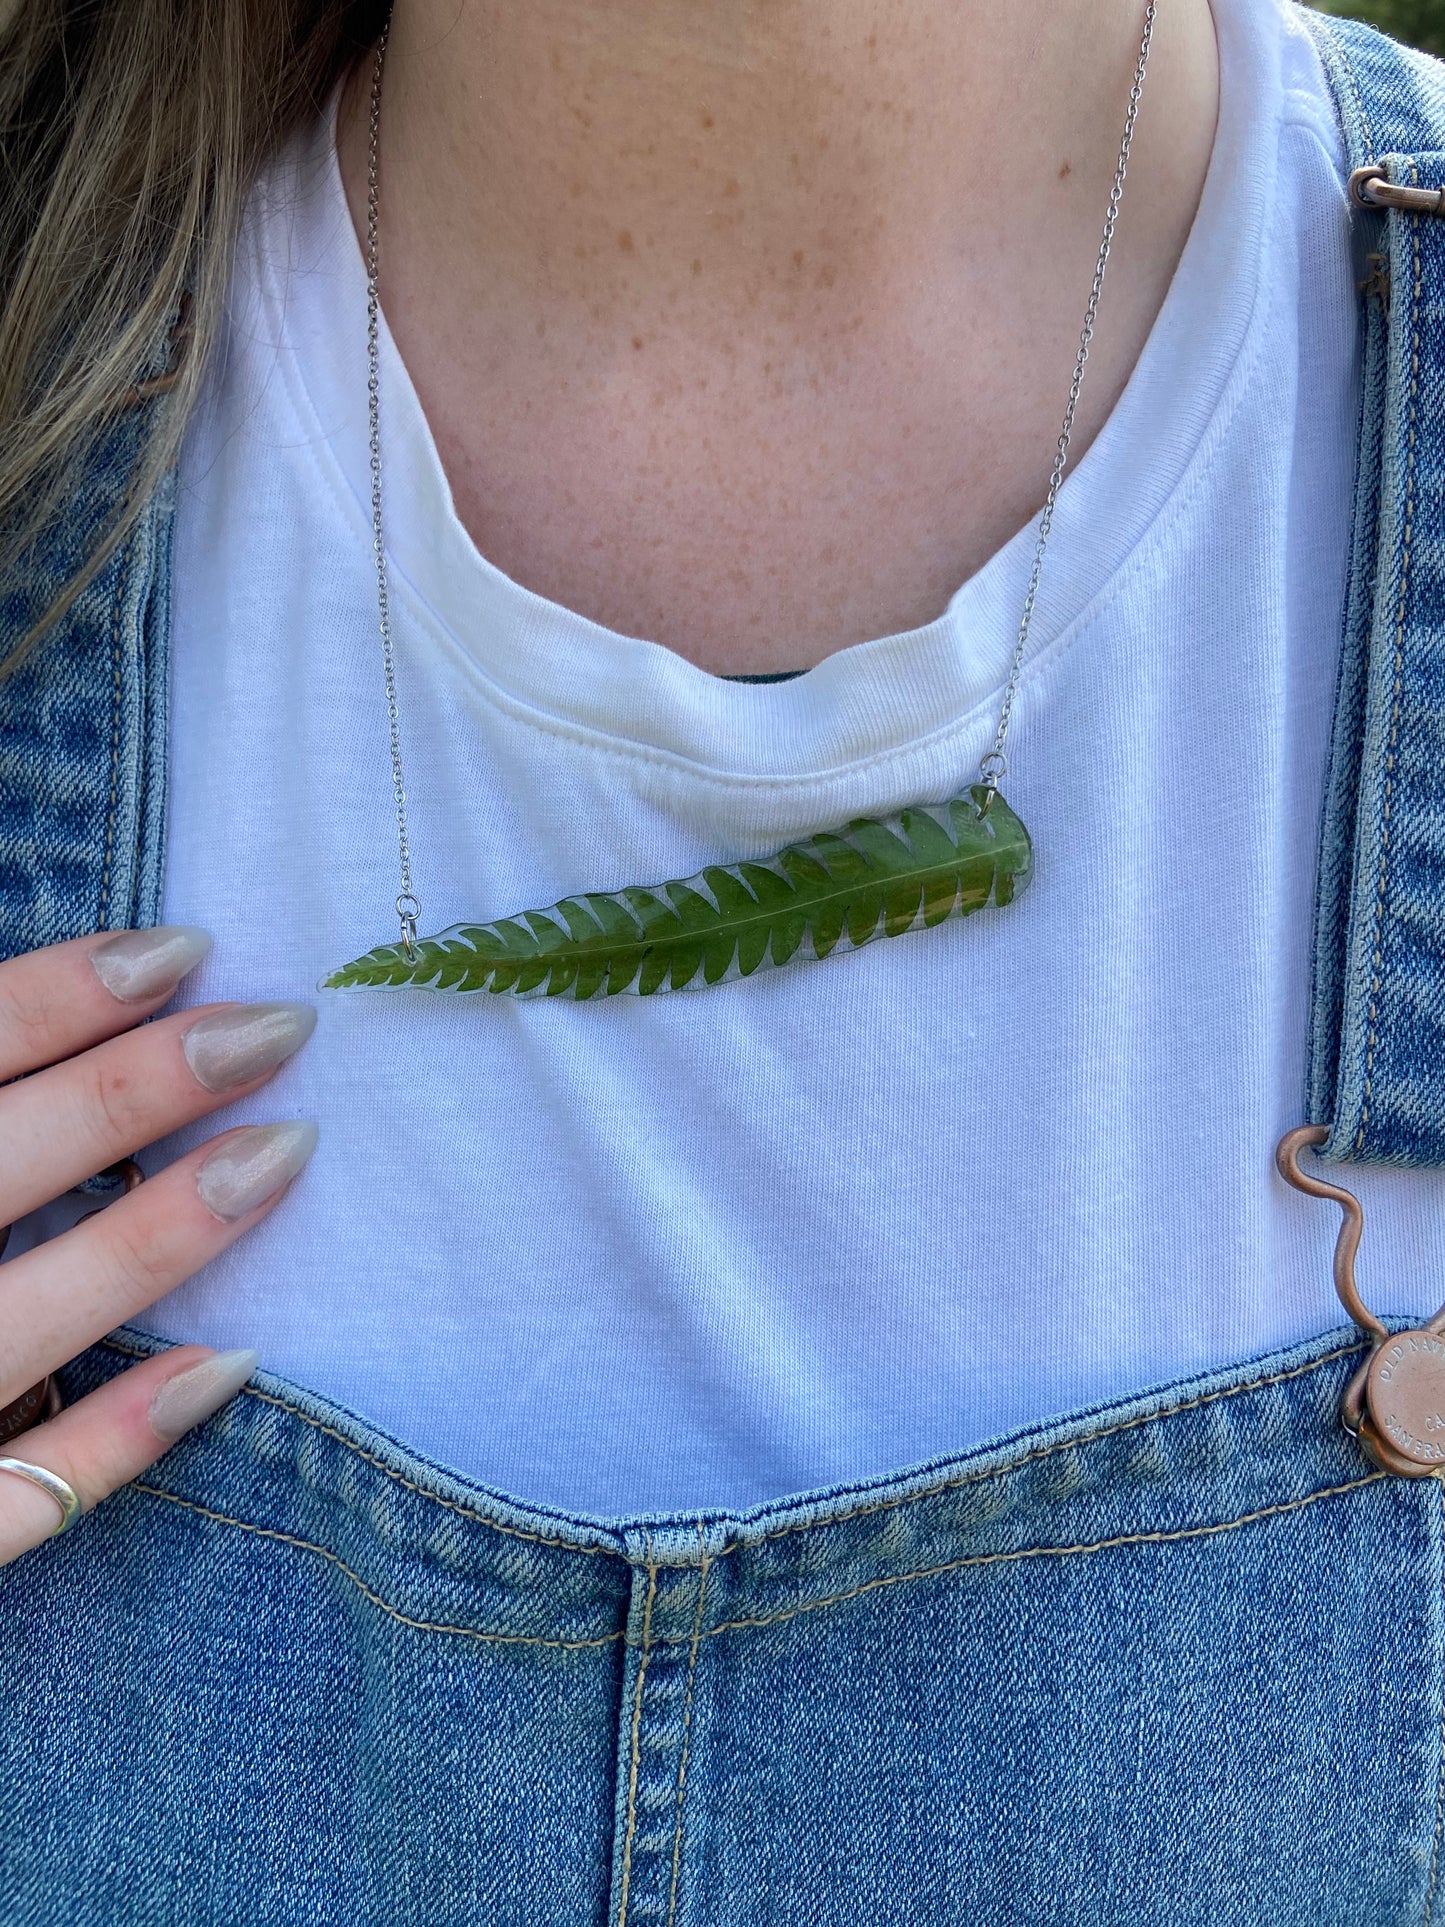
(830, 893)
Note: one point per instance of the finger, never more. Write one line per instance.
(60, 1125)
(65, 1294)
(68, 996)
(110, 1437)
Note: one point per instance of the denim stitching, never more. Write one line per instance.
(686, 1725)
(1335, 53)
(324, 1552)
(1043, 1452)
(636, 1738)
(1354, 80)
(1046, 1552)
(1377, 961)
(120, 589)
(1439, 1791)
(770, 1619)
(399, 1478)
(410, 1485)
(804, 1525)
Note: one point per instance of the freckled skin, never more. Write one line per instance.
(713, 307)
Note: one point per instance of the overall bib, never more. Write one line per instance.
(1179, 1658)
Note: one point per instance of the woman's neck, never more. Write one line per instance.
(616, 150)
(610, 195)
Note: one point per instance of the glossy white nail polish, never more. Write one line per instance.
(137, 965)
(252, 1166)
(183, 1401)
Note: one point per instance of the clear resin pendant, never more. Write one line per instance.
(831, 893)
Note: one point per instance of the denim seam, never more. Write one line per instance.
(116, 696)
(399, 1478)
(1439, 1786)
(1354, 80)
(1044, 1452)
(1377, 961)
(411, 1485)
(741, 1625)
(1042, 663)
(394, 1612)
(1047, 1552)
(804, 1525)
(637, 1739)
(686, 1727)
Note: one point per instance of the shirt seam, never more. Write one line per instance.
(524, 712)
(1040, 664)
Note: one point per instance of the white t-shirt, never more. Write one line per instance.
(706, 1249)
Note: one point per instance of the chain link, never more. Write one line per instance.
(995, 763)
(408, 909)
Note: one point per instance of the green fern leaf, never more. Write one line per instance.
(833, 891)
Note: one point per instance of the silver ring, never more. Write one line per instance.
(64, 1495)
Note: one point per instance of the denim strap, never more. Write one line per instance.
(1377, 1027)
(83, 720)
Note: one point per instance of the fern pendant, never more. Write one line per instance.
(832, 892)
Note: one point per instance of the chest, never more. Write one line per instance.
(753, 504)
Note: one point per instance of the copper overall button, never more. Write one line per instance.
(1405, 1396)
(1395, 1403)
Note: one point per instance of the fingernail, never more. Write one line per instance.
(252, 1166)
(139, 964)
(183, 1401)
(233, 1046)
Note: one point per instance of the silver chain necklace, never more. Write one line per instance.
(834, 891)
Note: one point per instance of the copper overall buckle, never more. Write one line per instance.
(1395, 1403)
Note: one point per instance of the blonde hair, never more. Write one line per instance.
(130, 131)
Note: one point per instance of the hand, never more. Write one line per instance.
(92, 1089)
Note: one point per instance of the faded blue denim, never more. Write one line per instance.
(1377, 1040)
(1177, 1660)
(83, 722)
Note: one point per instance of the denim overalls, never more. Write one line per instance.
(1179, 1659)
